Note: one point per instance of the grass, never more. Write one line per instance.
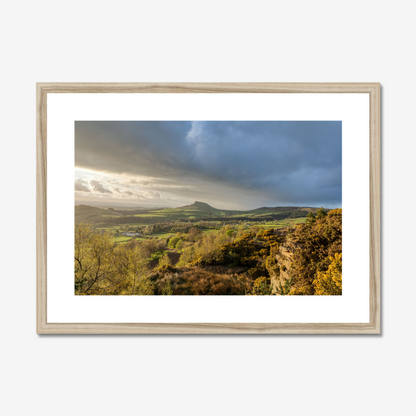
(288, 222)
(161, 235)
(209, 230)
(121, 238)
(292, 222)
(191, 213)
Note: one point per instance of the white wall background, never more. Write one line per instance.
(317, 41)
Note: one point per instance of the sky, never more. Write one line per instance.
(238, 165)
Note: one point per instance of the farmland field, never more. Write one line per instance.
(165, 223)
(199, 211)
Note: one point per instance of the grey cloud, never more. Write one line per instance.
(80, 186)
(97, 186)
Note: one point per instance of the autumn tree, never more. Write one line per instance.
(164, 261)
(94, 259)
(193, 233)
(105, 268)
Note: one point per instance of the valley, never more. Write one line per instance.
(164, 222)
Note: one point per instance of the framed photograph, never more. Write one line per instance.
(208, 208)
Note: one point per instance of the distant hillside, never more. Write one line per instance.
(88, 209)
(200, 206)
(195, 212)
(87, 213)
(284, 209)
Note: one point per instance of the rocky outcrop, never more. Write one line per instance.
(284, 260)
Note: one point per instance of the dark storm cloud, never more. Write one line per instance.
(286, 162)
(146, 148)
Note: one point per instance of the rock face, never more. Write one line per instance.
(284, 258)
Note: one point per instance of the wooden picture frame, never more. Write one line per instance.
(371, 327)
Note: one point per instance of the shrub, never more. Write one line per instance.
(164, 261)
(173, 241)
(262, 286)
(203, 281)
(330, 282)
(317, 243)
(180, 244)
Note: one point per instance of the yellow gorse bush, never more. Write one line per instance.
(330, 282)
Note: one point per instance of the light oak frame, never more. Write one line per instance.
(43, 327)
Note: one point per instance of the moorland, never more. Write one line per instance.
(201, 250)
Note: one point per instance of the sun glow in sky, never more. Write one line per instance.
(228, 164)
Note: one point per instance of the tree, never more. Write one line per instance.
(93, 259)
(180, 244)
(321, 213)
(193, 233)
(132, 272)
(310, 219)
(262, 286)
(229, 232)
(164, 261)
(173, 241)
(105, 268)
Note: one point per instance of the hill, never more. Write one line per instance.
(198, 211)
(200, 206)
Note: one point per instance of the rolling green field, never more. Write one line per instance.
(198, 213)
(121, 238)
(291, 222)
(161, 235)
(209, 230)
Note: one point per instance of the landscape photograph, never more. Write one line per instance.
(246, 208)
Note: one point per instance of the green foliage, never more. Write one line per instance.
(167, 288)
(144, 287)
(173, 241)
(198, 215)
(103, 268)
(310, 219)
(80, 282)
(151, 246)
(262, 286)
(271, 263)
(194, 234)
(321, 213)
(330, 281)
(285, 288)
(156, 256)
(180, 245)
(164, 261)
(317, 242)
(187, 256)
(235, 258)
(216, 250)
